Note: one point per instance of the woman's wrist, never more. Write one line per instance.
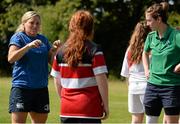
(53, 49)
(28, 46)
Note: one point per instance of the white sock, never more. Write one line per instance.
(151, 119)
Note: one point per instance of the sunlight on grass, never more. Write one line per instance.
(117, 102)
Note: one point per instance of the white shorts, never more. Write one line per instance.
(135, 103)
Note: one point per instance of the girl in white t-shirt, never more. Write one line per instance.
(133, 69)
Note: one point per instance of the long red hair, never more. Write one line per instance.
(136, 43)
(80, 30)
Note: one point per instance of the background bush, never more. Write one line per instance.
(114, 22)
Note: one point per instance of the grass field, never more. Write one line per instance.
(117, 99)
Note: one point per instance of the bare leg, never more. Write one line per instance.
(172, 119)
(137, 118)
(18, 117)
(38, 117)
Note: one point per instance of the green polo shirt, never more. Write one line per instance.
(165, 56)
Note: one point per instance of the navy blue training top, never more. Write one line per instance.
(31, 71)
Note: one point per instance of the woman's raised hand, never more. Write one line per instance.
(35, 44)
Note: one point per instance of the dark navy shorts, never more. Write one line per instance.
(29, 100)
(158, 97)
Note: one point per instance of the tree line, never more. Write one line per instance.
(114, 22)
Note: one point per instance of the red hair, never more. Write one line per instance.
(136, 43)
(80, 30)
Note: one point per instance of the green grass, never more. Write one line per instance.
(117, 100)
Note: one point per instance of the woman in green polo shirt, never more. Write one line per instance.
(163, 88)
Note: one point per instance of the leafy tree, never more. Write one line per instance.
(55, 18)
(116, 19)
(10, 16)
(8, 24)
(174, 19)
(114, 22)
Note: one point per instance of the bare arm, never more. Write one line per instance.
(103, 89)
(57, 86)
(145, 59)
(51, 54)
(53, 50)
(15, 53)
(177, 68)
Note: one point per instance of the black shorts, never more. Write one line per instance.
(158, 97)
(79, 120)
(29, 100)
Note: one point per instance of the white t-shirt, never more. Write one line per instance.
(136, 75)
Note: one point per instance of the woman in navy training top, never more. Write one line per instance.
(30, 52)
